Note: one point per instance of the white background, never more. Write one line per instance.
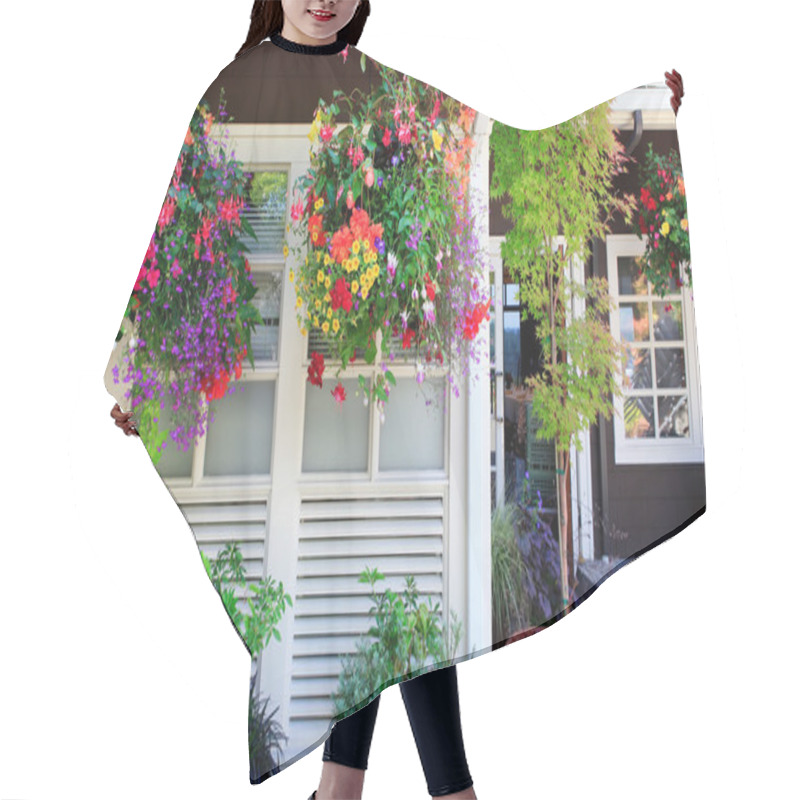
(120, 674)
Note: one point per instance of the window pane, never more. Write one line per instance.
(673, 415)
(512, 294)
(639, 418)
(634, 322)
(240, 436)
(667, 325)
(631, 277)
(636, 370)
(174, 463)
(335, 436)
(264, 339)
(266, 195)
(512, 347)
(412, 436)
(670, 368)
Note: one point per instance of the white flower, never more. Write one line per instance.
(391, 264)
(429, 310)
(133, 344)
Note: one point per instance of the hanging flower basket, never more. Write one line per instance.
(189, 311)
(386, 231)
(663, 221)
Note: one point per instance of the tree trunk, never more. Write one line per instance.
(564, 538)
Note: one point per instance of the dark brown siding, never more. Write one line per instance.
(251, 99)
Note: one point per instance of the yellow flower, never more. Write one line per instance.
(327, 297)
(336, 326)
(316, 321)
(327, 260)
(685, 224)
(356, 246)
(318, 205)
(318, 304)
(329, 313)
(298, 303)
(665, 229)
(326, 326)
(327, 282)
(319, 254)
(303, 331)
(285, 250)
(354, 287)
(291, 276)
(364, 293)
(437, 139)
(320, 276)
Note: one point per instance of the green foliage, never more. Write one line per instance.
(406, 638)
(266, 600)
(559, 181)
(265, 735)
(509, 607)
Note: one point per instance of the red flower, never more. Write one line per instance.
(474, 318)
(167, 213)
(339, 394)
(429, 287)
(315, 369)
(340, 296)
(408, 335)
(215, 388)
(228, 210)
(315, 230)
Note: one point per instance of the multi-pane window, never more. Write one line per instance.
(658, 418)
(350, 438)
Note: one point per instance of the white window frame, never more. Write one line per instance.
(655, 451)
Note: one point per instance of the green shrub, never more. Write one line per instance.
(406, 638)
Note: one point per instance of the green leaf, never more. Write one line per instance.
(390, 377)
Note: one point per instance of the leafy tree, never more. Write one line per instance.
(559, 182)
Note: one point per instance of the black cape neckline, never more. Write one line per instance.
(309, 49)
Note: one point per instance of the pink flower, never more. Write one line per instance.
(404, 133)
(167, 213)
(339, 394)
